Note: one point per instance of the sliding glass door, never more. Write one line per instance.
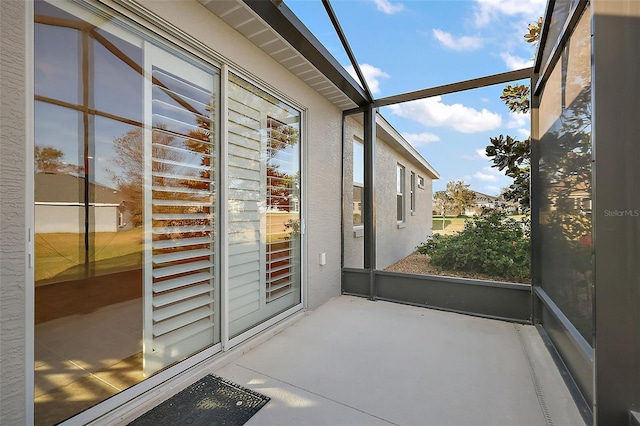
(128, 202)
(126, 134)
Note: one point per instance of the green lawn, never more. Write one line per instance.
(453, 224)
(61, 256)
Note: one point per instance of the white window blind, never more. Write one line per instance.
(180, 216)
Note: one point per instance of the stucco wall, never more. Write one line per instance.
(13, 399)
(54, 219)
(393, 242)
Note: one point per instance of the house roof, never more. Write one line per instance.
(480, 197)
(391, 137)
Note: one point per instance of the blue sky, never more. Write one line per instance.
(403, 46)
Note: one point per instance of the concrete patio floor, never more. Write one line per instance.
(358, 362)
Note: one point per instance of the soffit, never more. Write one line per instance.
(243, 19)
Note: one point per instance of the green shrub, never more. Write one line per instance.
(490, 244)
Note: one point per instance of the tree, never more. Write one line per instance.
(441, 202)
(129, 176)
(513, 157)
(509, 155)
(460, 195)
(48, 159)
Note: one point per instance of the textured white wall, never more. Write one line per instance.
(395, 243)
(13, 398)
(392, 243)
(53, 219)
(323, 130)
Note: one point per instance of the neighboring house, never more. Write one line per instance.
(59, 205)
(481, 201)
(403, 195)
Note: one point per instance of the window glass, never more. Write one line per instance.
(400, 193)
(559, 16)
(413, 192)
(264, 206)
(57, 69)
(358, 181)
(565, 182)
(117, 75)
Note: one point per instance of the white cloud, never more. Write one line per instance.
(418, 140)
(487, 10)
(488, 174)
(385, 6)
(521, 122)
(432, 112)
(515, 62)
(371, 74)
(518, 120)
(462, 43)
(479, 155)
(482, 153)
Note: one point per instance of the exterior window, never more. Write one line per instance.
(358, 181)
(400, 193)
(413, 192)
(420, 182)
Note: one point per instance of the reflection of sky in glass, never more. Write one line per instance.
(57, 70)
(105, 163)
(60, 128)
(117, 88)
(248, 95)
(358, 163)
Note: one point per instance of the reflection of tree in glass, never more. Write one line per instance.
(48, 159)
(201, 142)
(129, 151)
(565, 166)
(281, 186)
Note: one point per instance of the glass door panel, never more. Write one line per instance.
(180, 291)
(264, 206)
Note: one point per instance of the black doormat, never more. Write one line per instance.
(210, 401)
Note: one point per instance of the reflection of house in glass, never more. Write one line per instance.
(60, 206)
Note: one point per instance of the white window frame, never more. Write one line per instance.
(412, 193)
(400, 194)
(357, 183)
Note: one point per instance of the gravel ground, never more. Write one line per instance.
(417, 263)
